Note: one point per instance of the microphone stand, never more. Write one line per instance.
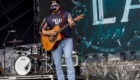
(41, 43)
(41, 50)
(3, 45)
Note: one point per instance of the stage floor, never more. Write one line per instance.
(38, 77)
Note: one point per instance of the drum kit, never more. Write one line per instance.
(26, 64)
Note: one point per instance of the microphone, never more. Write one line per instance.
(52, 9)
(12, 31)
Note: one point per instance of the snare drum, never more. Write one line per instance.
(23, 65)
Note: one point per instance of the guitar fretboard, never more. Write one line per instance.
(63, 28)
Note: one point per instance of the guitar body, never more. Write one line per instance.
(50, 43)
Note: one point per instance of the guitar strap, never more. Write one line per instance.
(63, 24)
(63, 20)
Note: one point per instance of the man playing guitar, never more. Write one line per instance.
(66, 45)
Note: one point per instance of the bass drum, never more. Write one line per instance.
(23, 65)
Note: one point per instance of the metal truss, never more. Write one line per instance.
(16, 19)
(36, 20)
(10, 7)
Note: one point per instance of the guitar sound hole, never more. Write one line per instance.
(54, 39)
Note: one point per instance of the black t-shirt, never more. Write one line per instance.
(56, 19)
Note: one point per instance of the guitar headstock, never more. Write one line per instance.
(79, 17)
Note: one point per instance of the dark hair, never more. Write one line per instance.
(57, 1)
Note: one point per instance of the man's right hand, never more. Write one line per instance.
(52, 33)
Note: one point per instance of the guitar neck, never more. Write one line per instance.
(64, 27)
(76, 19)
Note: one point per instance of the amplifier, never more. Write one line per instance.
(74, 58)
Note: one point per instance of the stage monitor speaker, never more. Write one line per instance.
(74, 59)
(75, 63)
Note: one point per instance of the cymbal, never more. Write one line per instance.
(21, 48)
(15, 41)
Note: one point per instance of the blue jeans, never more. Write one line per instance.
(66, 47)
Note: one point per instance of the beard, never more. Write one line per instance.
(55, 11)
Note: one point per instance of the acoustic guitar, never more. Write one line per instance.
(50, 43)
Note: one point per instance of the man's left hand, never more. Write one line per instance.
(72, 24)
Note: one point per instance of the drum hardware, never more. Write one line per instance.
(50, 69)
(35, 55)
(35, 66)
(43, 66)
(50, 64)
(47, 65)
(43, 58)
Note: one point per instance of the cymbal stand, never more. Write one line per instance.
(43, 65)
(49, 66)
(3, 45)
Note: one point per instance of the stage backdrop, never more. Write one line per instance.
(109, 26)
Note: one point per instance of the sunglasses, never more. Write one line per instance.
(54, 5)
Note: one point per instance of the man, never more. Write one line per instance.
(66, 45)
